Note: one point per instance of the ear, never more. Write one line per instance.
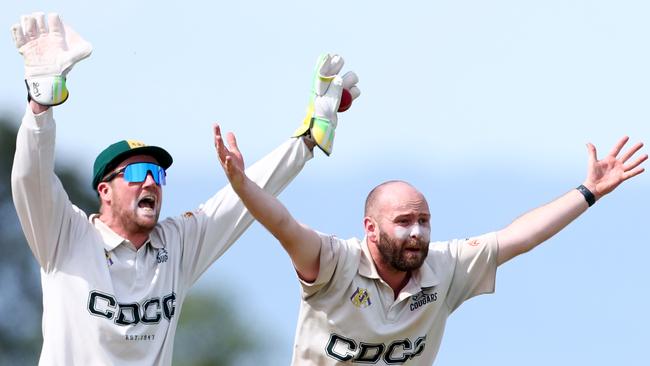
(105, 191)
(371, 228)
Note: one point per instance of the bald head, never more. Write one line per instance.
(390, 193)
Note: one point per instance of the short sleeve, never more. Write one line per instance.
(475, 268)
(334, 253)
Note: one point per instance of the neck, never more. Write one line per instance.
(137, 238)
(396, 279)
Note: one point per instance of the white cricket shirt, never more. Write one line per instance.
(349, 315)
(104, 302)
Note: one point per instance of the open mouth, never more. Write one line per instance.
(148, 202)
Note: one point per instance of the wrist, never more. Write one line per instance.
(587, 193)
(37, 108)
(308, 141)
(47, 90)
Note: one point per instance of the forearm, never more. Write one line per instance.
(37, 193)
(277, 169)
(34, 155)
(264, 207)
(538, 225)
(301, 243)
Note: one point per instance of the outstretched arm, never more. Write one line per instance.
(538, 225)
(301, 242)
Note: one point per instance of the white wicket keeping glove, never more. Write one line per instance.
(50, 51)
(327, 86)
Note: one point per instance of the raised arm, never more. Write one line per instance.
(50, 50)
(538, 225)
(302, 243)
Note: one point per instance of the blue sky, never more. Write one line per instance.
(484, 106)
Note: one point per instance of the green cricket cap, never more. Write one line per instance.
(112, 156)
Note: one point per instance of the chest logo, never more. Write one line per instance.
(360, 298)
(422, 299)
(162, 256)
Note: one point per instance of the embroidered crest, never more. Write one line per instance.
(360, 298)
(162, 256)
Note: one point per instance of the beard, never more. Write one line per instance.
(136, 222)
(398, 257)
(136, 219)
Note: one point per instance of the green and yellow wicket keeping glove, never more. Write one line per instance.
(327, 86)
(50, 50)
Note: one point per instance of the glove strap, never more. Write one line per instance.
(318, 129)
(303, 130)
(323, 133)
(47, 90)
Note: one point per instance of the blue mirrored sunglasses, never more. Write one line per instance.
(137, 173)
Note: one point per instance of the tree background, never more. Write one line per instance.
(210, 332)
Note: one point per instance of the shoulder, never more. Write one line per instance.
(333, 246)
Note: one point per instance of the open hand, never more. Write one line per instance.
(49, 47)
(230, 157)
(604, 175)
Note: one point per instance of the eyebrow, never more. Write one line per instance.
(410, 215)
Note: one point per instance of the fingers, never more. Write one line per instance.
(591, 149)
(219, 145)
(234, 148)
(33, 25)
(619, 146)
(217, 131)
(636, 163)
(29, 26)
(55, 23)
(232, 142)
(629, 174)
(350, 80)
(40, 22)
(226, 151)
(628, 154)
(17, 33)
(355, 92)
(632, 169)
(331, 66)
(336, 88)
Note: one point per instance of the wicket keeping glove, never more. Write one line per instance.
(327, 87)
(50, 51)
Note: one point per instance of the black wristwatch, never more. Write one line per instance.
(589, 197)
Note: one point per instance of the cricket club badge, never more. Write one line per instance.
(360, 298)
(162, 256)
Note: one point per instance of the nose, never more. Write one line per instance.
(148, 181)
(416, 231)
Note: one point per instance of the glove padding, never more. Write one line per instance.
(50, 51)
(327, 86)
